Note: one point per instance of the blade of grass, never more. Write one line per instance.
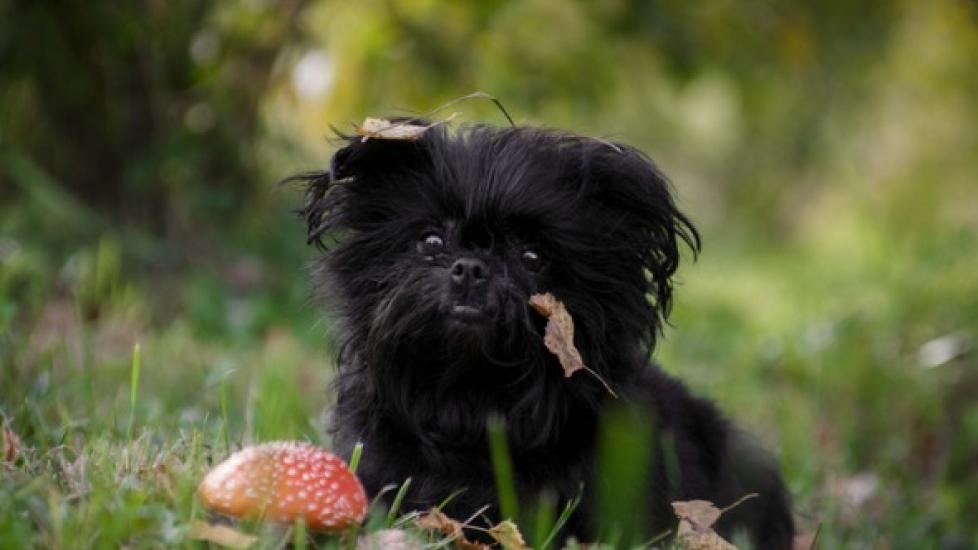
(224, 416)
(406, 519)
(502, 469)
(544, 520)
(624, 462)
(398, 499)
(195, 454)
(656, 539)
(564, 516)
(299, 536)
(473, 95)
(450, 498)
(355, 457)
(136, 366)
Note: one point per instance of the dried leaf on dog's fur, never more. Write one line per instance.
(379, 128)
(436, 520)
(696, 519)
(559, 335)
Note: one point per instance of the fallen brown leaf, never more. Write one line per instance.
(222, 535)
(436, 520)
(11, 445)
(696, 519)
(466, 544)
(700, 513)
(558, 336)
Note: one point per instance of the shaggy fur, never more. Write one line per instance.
(431, 250)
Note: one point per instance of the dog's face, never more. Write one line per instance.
(434, 246)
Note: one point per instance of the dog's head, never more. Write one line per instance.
(434, 246)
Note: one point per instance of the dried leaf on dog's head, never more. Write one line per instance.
(559, 334)
(378, 128)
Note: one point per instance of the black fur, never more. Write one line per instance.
(418, 378)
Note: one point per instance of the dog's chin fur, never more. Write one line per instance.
(426, 361)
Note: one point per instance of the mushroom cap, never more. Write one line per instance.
(285, 481)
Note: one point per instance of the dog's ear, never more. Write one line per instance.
(645, 221)
(364, 166)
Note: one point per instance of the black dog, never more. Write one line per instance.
(432, 249)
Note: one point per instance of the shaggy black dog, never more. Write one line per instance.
(432, 249)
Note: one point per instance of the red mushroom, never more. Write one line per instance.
(286, 481)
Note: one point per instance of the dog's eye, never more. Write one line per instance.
(431, 244)
(532, 260)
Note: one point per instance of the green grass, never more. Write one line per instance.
(849, 354)
(133, 391)
(502, 468)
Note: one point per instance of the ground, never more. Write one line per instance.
(848, 354)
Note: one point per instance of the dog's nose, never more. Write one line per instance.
(469, 271)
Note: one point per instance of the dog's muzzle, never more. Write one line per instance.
(470, 282)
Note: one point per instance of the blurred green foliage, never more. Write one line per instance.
(827, 151)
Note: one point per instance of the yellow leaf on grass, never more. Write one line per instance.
(508, 535)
